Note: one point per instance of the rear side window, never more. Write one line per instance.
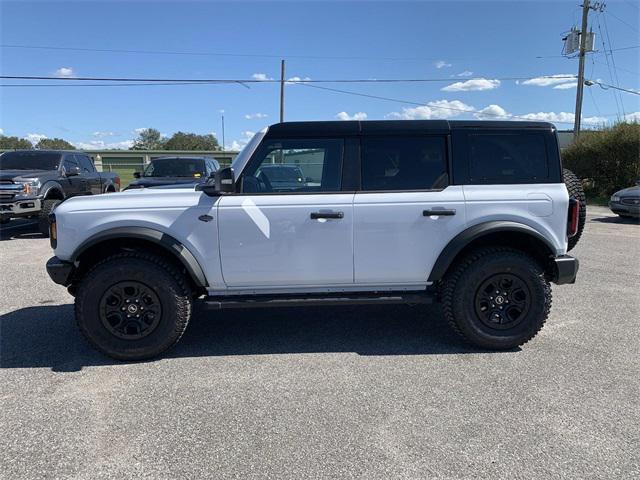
(403, 163)
(507, 158)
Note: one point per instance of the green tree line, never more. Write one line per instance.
(147, 139)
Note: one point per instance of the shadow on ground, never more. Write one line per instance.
(47, 336)
(617, 219)
(20, 229)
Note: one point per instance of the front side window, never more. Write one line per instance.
(310, 165)
(85, 163)
(70, 163)
(507, 158)
(404, 163)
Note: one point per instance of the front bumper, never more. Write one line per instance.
(20, 208)
(565, 269)
(624, 209)
(60, 271)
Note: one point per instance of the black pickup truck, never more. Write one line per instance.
(34, 182)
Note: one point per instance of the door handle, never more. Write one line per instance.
(443, 212)
(317, 215)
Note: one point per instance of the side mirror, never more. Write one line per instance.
(136, 174)
(223, 183)
(72, 171)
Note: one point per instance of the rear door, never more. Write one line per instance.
(406, 211)
(284, 231)
(89, 173)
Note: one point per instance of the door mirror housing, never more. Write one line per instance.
(136, 175)
(72, 171)
(222, 183)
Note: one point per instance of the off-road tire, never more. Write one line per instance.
(48, 206)
(574, 187)
(461, 286)
(161, 277)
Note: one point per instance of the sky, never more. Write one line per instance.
(484, 55)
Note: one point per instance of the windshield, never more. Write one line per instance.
(29, 161)
(175, 167)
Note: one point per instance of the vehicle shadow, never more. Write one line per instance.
(617, 219)
(20, 229)
(47, 336)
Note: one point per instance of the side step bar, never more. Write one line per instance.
(263, 301)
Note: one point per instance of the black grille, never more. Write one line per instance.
(630, 201)
(7, 196)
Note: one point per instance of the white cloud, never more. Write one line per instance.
(492, 111)
(561, 117)
(1, 131)
(64, 72)
(138, 131)
(255, 116)
(437, 109)
(442, 64)
(241, 142)
(629, 117)
(549, 80)
(263, 77)
(466, 73)
(102, 145)
(355, 116)
(475, 84)
(565, 86)
(103, 134)
(35, 137)
(297, 79)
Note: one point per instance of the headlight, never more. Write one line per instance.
(31, 187)
(615, 198)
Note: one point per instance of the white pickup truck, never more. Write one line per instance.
(473, 214)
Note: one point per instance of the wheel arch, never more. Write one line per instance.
(508, 233)
(53, 191)
(109, 241)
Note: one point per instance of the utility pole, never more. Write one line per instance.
(281, 90)
(583, 43)
(222, 113)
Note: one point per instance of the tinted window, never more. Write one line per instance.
(295, 166)
(29, 161)
(507, 158)
(85, 163)
(175, 167)
(403, 163)
(70, 162)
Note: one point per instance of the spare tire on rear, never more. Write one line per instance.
(574, 187)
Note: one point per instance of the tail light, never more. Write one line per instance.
(574, 217)
(117, 182)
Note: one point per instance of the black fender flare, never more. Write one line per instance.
(464, 238)
(52, 185)
(164, 240)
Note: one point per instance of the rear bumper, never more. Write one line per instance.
(565, 269)
(60, 271)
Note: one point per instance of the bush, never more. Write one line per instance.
(606, 160)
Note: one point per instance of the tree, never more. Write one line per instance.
(148, 139)
(15, 143)
(54, 144)
(191, 141)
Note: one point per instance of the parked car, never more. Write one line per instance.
(175, 170)
(283, 177)
(468, 213)
(626, 202)
(34, 182)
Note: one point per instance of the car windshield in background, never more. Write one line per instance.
(175, 167)
(282, 173)
(29, 161)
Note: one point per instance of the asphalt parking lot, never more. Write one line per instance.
(327, 392)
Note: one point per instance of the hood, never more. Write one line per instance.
(19, 174)
(147, 199)
(629, 192)
(158, 181)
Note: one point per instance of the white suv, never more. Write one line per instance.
(473, 214)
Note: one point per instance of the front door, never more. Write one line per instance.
(405, 212)
(290, 225)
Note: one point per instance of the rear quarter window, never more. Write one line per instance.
(508, 158)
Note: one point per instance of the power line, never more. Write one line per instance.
(627, 90)
(635, 29)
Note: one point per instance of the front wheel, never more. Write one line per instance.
(496, 298)
(48, 206)
(133, 306)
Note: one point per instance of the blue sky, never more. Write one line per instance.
(473, 45)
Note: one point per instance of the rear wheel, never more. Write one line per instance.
(48, 206)
(496, 298)
(574, 187)
(133, 306)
